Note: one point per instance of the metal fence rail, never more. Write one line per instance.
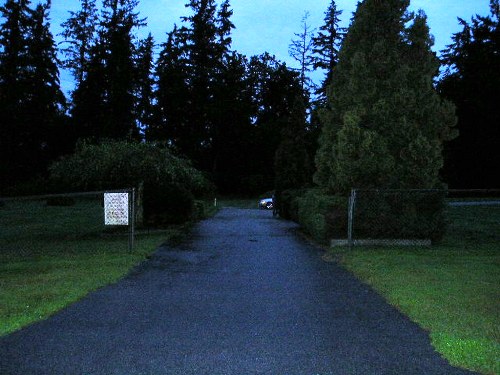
(83, 212)
(409, 217)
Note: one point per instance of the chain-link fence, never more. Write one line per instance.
(421, 217)
(28, 224)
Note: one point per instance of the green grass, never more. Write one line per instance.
(51, 257)
(451, 290)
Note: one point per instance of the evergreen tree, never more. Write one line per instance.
(119, 19)
(292, 163)
(325, 47)
(384, 125)
(89, 97)
(199, 38)
(472, 82)
(79, 36)
(191, 72)
(46, 103)
(14, 83)
(104, 103)
(233, 156)
(172, 95)
(144, 109)
(31, 101)
(277, 109)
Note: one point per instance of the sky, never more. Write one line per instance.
(270, 25)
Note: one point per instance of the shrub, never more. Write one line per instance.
(169, 204)
(400, 214)
(323, 216)
(288, 203)
(170, 183)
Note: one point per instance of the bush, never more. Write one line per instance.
(170, 204)
(170, 183)
(323, 216)
(406, 214)
(288, 203)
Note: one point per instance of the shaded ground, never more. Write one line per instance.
(244, 296)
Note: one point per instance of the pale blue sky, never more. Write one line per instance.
(269, 25)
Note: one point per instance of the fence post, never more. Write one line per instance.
(132, 219)
(350, 218)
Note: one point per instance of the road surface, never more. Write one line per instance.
(245, 295)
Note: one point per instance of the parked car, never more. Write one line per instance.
(266, 203)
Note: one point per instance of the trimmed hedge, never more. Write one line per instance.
(320, 215)
(406, 214)
(323, 216)
(381, 214)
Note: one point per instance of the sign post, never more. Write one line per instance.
(119, 210)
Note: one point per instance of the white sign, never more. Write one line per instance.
(116, 209)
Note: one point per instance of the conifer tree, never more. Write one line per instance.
(104, 103)
(472, 82)
(326, 45)
(89, 98)
(292, 163)
(14, 82)
(46, 103)
(79, 37)
(144, 107)
(384, 125)
(171, 95)
(119, 19)
(31, 101)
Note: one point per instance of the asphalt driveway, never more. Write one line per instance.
(245, 295)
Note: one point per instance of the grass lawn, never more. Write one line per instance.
(53, 256)
(451, 290)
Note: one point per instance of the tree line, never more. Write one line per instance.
(253, 123)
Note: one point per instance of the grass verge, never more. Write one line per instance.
(451, 290)
(51, 257)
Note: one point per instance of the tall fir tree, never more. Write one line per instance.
(171, 95)
(30, 97)
(144, 106)
(292, 163)
(199, 35)
(118, 21)
(79, 33)
(14, 82)
(325, 47)
(472, 82)
(47, 103)
(385, 124)
(104, 103)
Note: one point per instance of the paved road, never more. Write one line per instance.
(244, 296)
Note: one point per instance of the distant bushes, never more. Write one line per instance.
(170, 184)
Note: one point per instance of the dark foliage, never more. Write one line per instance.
(167, 204)
(169, 183)
(400, 214)
(472, 83)
(31, 101)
